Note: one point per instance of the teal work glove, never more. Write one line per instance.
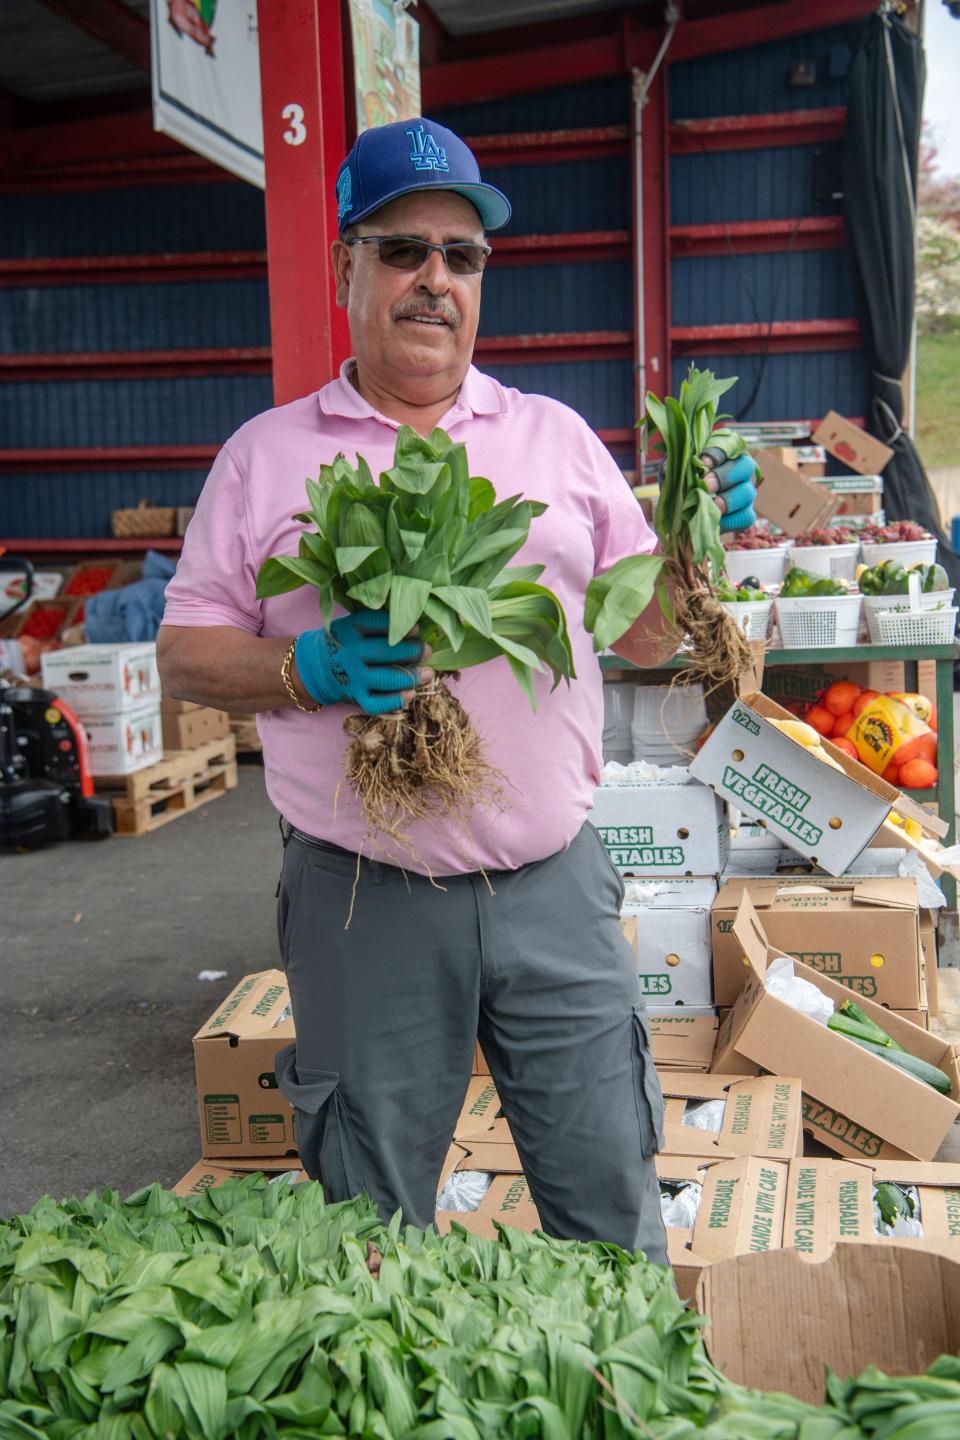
(735, 488)
(353, 662)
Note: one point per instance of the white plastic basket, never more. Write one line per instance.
(819, 620)
(835, 562)
(936, 600)
(908, 552)
(754, 617)
(913, 627)
(767, 566)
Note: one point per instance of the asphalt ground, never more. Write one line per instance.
(101, 943)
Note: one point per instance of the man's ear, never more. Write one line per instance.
(341, 259)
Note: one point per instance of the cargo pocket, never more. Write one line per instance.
(646, 1085)
(325, 1135)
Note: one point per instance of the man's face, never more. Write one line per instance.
(412, 324)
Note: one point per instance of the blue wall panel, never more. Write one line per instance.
(576, 195)
(799, 387)
(534, 299)
(174, 316)
(601, 102)
(58, 504)
(774, 184)
(805, 285)
(144, 221)
(756, 80)
(601, 390)
(129, 412)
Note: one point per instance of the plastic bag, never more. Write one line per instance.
(643, 772)
(783, 983)
(464, 1190)
(679, 1210)
(929, 894)
(644, 892)
(705, 1115)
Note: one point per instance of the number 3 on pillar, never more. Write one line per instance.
(297, 132)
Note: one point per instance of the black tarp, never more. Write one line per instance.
(880, 150)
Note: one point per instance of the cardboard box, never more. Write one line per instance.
(672, 926)
(829, 1314)
(762, 1116)
(851, 445)
(103, 679)
(208, 1174)
(242, 1112)
(789, 499)
(854, 1102)
(827, 814)
(741, 1213)
(928, 943)
(482, 1130)
(123, 743)
(13, 584)
(187, 731)
(863, 933)
(507, 1202)
(832, 1200)
(680, 1041)
(811, 460)
(662, 829)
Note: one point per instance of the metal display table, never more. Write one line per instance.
(943, 655)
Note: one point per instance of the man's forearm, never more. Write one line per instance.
(226, 668)
(651, 641)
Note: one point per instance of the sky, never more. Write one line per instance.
(940, 100)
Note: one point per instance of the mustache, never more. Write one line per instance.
(427, 305)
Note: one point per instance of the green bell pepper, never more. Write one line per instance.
(933, 578)
(796, 584)
(895, 580)
(826, 586)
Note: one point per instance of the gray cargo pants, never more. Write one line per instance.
(387, 1013)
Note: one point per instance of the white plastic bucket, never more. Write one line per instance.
(767, 566)
(834, 562)
(936, 600)
(666, 722)
(754, 617)
(819, 621)
(908, 552)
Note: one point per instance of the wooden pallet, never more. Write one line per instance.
(179, 783)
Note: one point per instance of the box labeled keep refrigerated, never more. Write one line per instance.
(208, 1174)
(507, 1202)
(829, 813)
(672, 919)
(242, 1112)
(125, 742)
(756, 1115)
(864, 933)
(103, 679)
(650, 829)
(855, 1102)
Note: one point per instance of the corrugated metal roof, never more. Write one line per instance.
(43, 57)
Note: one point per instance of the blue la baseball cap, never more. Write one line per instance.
(392, 160)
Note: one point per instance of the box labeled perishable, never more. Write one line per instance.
(672, 918)
(650, 829)
(757, 1115)
(740, 1212)
(855, 1102)
(834, 1200)
(826, 812)
(242, 1112)
(863, 933)
(103, 679)
(125, 742)
(680, 1041)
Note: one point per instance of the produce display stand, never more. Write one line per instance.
(944, 656)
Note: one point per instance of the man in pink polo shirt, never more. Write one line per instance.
(387, 1009)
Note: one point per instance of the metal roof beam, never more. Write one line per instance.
(111, 22)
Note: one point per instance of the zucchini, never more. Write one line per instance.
(912, 1064)
(845, 1025)
(880, 1036)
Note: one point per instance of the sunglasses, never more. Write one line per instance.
(403, 252)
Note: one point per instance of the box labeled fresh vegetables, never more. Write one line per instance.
(242, 1112)
(672, 918)
(864, 933)
(828, 809)
(739, 1212)
(651, 829)
(856, 1102)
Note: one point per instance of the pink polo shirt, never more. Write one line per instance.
(525, 444)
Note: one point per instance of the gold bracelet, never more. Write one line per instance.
(285, 675)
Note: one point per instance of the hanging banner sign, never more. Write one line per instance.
(386, 61)
(206, 80)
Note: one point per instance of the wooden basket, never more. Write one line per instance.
(145, 520)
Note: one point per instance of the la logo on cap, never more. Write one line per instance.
(426, 153)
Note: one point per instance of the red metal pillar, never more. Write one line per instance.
(651, 241)
(304, 140)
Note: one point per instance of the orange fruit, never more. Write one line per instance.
(918, 775)
(920, 747)
(863, 699)
(847, 746)
(891, 774)
(820, 719)
(840, 697)
(842, 724)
